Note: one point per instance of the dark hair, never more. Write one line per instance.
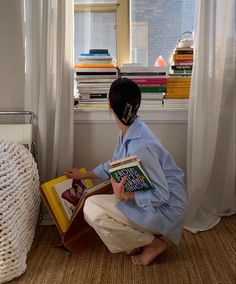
(125, 99)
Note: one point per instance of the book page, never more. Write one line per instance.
(123, 161)
(104, 187)
(62, 189)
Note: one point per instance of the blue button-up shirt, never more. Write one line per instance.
(163, 209)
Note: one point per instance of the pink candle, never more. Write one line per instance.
(160, 61)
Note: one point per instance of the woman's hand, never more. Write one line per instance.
(118, 188)
(74, 173)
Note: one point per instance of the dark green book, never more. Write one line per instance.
(153, 90)
(137, 179)
(183, 71)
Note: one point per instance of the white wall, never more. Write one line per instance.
(11, 56)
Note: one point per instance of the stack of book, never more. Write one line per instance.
(92, 86)
(178, 89)
(151, 81)
(181, 61)
(96, 58)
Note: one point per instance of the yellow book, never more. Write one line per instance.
(182, 56)
(178, 80)
(76, 234)
(95, 62)
(177, 97)
(56, 206)
(178, 84)
(177, 93)
(178, 89)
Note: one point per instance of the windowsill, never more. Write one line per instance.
(155, 115)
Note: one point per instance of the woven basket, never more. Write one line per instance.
(19, 207)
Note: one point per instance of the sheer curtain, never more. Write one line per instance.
(211, 128)
(48, 34)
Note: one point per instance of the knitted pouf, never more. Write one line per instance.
(19, 207)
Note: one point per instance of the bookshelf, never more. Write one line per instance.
(152, 115)
(150, 112)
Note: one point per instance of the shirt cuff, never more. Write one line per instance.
(101, 173)
(143, 199)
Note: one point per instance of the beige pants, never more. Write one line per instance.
(117, 232)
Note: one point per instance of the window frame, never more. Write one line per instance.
(122, 9)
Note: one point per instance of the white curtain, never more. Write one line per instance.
(48, 34)
(211, 129)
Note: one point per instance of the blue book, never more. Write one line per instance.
(95, 54)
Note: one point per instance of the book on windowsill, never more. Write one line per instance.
(95, 65)
(95, 55)
(64, 199)
(137, 179)
(98, 51)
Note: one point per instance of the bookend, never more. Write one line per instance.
(79, 235)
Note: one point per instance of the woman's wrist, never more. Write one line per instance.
(91, 174)
(87, 175)
(127, 196)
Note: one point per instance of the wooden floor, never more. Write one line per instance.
(207, 257)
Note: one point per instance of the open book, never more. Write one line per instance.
(137, 179)
(64, 199)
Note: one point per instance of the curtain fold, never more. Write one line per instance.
(48, 34)
(211, 153)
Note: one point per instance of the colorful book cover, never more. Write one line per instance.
(69, 193)
(57, 207)
(137, 180)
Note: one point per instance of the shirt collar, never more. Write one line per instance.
(133, 131)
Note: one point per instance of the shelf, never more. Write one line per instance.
(150, 115)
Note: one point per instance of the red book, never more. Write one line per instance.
(157, 80)
(182, 61)
(151, 85)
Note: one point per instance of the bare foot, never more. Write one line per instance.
(150, 252)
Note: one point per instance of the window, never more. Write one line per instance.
(96, 24)
(135, 31)
(156, 25)
(102, 24)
